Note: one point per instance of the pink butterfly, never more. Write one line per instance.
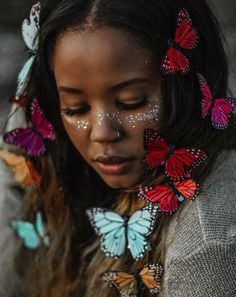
(220, 109)
(186, 37)
(32, 139)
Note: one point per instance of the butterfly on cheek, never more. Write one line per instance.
(130, 284)
(219, 109)
(32, 234)
(169, 196)
(186, 37)
(177, 163)
(32, 139)
(117, 232)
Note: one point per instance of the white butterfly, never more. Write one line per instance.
(117, 231)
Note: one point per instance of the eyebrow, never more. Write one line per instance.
(116, 87)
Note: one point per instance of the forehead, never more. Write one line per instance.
(92, 55)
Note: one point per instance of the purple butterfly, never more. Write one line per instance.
(32, 139)
(220, 109)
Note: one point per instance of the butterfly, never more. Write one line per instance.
(169, 196)
(128, 284)
(116, 231)
(32, 234)
(186, 37)
(220, 109)
(32, 138)
(177, 163)
(21, 101)
(30, 36)
(25, 173)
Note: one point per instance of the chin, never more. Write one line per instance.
(121, 182)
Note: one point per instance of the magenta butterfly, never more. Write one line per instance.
(186, 37)
(177, 163)
(32, 139)
(220, 109)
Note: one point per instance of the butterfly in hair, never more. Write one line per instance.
(33, 234)
(130, 284)
(169, 196)
(116, 231)
(177, 163)
(32, 139)
(186, 37)
(219, 109)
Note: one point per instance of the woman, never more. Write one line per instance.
(117, 82)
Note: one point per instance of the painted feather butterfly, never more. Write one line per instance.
(116, 231)
(30, 36)
(128, 284)
(219, 109)
(186, 37)
(32, 139)
(33, 235)
(169, 196)
(177, 163)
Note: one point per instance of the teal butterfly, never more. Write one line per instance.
(117, 231)
(32, 234)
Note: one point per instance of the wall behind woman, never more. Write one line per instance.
(12, 54)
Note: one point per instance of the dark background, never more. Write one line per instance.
(13, 56)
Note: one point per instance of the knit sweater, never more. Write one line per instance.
(201, 237)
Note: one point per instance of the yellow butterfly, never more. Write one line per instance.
(128, 284)
(25, 173)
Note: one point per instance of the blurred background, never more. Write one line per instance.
(13, 56)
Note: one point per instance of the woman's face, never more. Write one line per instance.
(109, 90)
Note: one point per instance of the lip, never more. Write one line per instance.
(113, 165)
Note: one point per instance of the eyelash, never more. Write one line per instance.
(127, 107)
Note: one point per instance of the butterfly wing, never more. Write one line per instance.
(27, 232)
(39, 226)
(188, 188)
(30, 28)
(182, 161)
(156, 148)
(206, 95)
(140, 225)
(222, 111)
(27, 139)
(40, 123)
(162, 195)
(124, 282)
(175, 61)
(185, 35)
(111, 226)
(151, 277)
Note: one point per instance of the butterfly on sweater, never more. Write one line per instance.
(177, 163)
(116, 231)
(186, 37)
(169, 196)
(219, 109)
(32, 138)
(32, 234)
(130, 284)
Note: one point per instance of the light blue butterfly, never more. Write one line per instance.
(32, 234)
(30, 30)
(117, 231)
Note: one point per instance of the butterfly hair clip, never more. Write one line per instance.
(177, 163)
(186, 38)
(32, 234)
(130, 284)
(30, 29)
(117, 231)
(219, 109)
(32, 138)
(169, 196)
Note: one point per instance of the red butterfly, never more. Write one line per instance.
(169, 196)
(177, 163)
(186, 37)
(20, 101)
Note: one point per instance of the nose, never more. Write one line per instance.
(106, 127)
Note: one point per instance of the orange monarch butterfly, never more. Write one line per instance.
(129, 284)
